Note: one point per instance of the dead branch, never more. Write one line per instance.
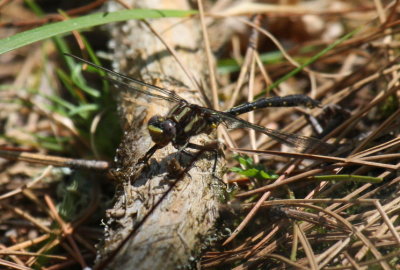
(174, 230)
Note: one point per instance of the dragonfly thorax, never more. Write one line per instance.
(162, 131)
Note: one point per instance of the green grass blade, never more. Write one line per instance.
(83, 109)
(53, 29)
(348, 177)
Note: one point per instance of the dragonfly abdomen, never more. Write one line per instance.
(286, 101)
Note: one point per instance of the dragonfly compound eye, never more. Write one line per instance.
(162, 131)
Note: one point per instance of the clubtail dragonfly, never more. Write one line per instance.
(186, 120)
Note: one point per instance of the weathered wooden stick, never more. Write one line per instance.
(179, 220)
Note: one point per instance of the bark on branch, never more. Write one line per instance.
(174, 231)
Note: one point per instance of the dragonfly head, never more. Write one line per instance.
(162, 131)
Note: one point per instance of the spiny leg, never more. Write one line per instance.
(213, 147)
(149, 154)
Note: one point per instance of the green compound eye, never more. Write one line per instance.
(162, 131)
(153, 129)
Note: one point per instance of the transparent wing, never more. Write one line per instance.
(131, 84)
(293, 140)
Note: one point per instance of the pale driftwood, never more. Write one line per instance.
(176, 230)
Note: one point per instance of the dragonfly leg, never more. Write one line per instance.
(149, 154)
(187, 153)
(213, 147)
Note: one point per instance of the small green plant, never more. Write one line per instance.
(250, 169)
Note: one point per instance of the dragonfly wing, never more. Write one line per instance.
(293, 140)
(132, 84)
(133, 88)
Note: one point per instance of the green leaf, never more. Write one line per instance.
(245, 161)
(53, 29)
(250, 172)
(266, 175)
(236, 169)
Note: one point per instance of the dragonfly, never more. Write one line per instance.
(186, 120)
